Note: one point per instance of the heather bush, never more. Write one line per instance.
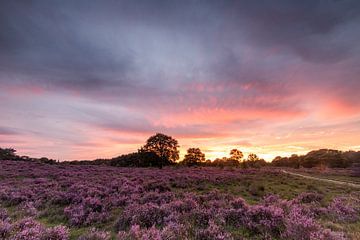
(3, 214)
(90, 210)
(94, 234)
(308, 197)
(266, 219)
(327, 234)
(157, 198)
(28, 229)
(137, 233)
(343, 210)
(212, 232)
(56, 233)
(182, 206)
(300, 225)
(174, 231)
(200, 217)
(28, 209)
(5, 229)
(236, 217)
(144, 206)
(145, 215)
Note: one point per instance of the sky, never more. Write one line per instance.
(94, 79)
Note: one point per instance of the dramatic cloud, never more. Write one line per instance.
(87, 79)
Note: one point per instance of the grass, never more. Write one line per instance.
(253, 187)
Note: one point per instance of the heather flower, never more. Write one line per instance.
(308, 197)
(28, 229)
(136, 233)
(212, 232)
(174, 231)
(238, 203)
(266, 219)
(56, 233)
(95, 234)
(3, 214)
(299, 225)
(89, 211)
(182, 206)
(235, 217)
(342, 210)
(29, 209)
(200, 217)
(145, 215)
(157, 198)
(327, 234)
(5, 229)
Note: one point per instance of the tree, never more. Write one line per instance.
(8, 154)
(236, 155)
(137, 159)
(193, 157)
(163, 146)
(252, 157)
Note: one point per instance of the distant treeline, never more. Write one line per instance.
(319, 158)
(10, 154)
(162, 150)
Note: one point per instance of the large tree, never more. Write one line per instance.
(163, 146)
(193, 157)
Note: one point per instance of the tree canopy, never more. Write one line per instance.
(163, 146)
(236, 154)
(193, 157)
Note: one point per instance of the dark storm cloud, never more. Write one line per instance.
(90, 45)
(310, 28)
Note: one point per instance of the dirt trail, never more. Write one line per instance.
(323, 179)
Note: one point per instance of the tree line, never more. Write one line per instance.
(162, 150)
(10, 154)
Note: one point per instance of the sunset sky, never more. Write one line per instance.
(94, 79)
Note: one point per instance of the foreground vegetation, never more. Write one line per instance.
(43, 201)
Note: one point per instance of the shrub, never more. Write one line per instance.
(212, 232)
(309, 197)
(56, 233)
(342, 210)
(95, 234)
(136, 233)
(300, 225)
(28, 229)
(266, 219)
(145, 215)
(5, 229)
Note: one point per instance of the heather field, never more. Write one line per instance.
(61, 201)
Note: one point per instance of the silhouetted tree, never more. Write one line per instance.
(252, 157)
(194, 157)
(251, 161)
(8, 154)
(165, 147)
(236, 155)
(138, 159)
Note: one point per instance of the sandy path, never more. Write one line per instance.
(323, 179)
